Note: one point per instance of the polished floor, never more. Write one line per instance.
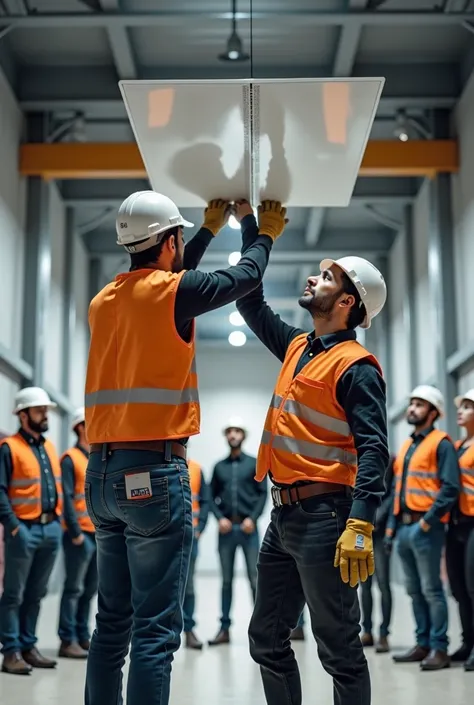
(225, 675)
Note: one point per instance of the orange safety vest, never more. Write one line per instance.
(141, 379)
(466, 464)
(422, 483)
(195, 480)
(24, 491)
(306, 435)
(79, 462)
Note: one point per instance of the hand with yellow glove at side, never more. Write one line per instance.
(271, 219)
(216, 215)
(355, 552)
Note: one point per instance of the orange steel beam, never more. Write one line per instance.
(123, 160)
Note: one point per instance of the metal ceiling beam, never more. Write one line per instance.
(120, 44)
(349, 40)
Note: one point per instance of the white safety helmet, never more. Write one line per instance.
(31, 397)
(235, 422)
(368, 281)
(79, 417)
(430, 394)
(468, 395)
(146, 216)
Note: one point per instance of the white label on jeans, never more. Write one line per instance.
(138, 485)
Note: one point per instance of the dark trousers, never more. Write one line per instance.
(29, 560)
(296, 565)
(382, 574)
(228, 544)
(460, 567)
(143, 549)
(189, 604)
(80, 586)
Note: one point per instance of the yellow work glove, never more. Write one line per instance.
(216, 215)
(355, 552)
(271, 219)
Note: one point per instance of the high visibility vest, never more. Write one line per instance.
(195, 480)
(422, 483)
(306, 435)
(24, 491)
(466, 496)
(79, 462)
(141, 381)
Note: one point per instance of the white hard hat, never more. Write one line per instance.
(235, 422)
(30, 397)
(368, 281)
(431, 395)
(79, 417)
(146, 215)
(468, 395)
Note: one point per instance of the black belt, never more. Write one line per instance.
(407, 518)
(295, 493)
(174, 448)
(44, 518)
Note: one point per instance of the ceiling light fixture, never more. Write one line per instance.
(234, 50)
(236, 319)
(234, 258)
(237, 338)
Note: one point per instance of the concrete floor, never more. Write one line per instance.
(227, 675)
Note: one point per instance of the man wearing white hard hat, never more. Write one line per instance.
(142, 405)
(30, 511)
(324, 447)
(237, 503)
(460, 539)
(426, 479)
(80, 560)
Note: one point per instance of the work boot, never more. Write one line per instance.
(382, 646)
(462, 654)
(71, 649)
(367, 639)
(415, 655)
(14, 663)
(297, 634)
(192, 642)
(37, 660)
(435, 661)
(469, 665)
(223, 637)
(85, 644)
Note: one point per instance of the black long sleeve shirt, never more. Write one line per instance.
(234, 490)
(204, 504)
(360, 391)
(69, 482)
(49, 495)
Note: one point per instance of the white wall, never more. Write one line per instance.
(231, 382)
(12, 242)
(78, 360)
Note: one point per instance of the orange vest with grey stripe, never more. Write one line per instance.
(466, 464)
(306, 434)
(422, 483)
(79, 462)
(24, 491)
(141, 379)
(195, 481)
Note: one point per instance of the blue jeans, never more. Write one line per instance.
(382, 574)
(228, 544)
(80, 586)
(420, 553)
(29, 560)
(143, 550)
(189, 595)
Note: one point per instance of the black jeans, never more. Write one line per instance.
(460, 567)
(296, 565)
(382, 573)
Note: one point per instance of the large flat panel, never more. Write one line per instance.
(299, 141)
(53, 354)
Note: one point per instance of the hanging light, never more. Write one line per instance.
(235, 51)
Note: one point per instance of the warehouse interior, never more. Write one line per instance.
(68, 160)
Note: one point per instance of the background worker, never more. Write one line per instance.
(141, 407)
(200, 502)
(382, 573)
(30, 508)
(426, 486)
(324, 445)
(80, 559)
(237, 503)
(460, 539)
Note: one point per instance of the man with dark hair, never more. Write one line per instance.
(324, 446)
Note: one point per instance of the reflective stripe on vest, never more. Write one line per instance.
(306, 435)
(79, 462)
(422, 483)
(466, 465)
(141, 396)
(195, 481)
(24, 490)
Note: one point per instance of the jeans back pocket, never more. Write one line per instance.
(146, 516)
